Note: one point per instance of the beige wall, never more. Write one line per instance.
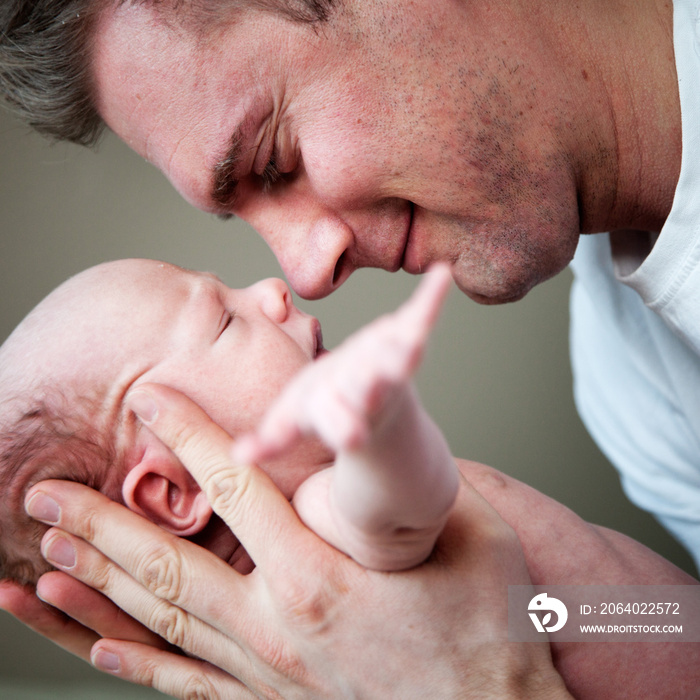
(496, 379)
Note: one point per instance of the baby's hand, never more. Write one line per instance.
(342, 395)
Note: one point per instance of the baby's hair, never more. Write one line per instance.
(45, 434)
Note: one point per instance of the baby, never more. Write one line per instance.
(378, 485)
(342, 434)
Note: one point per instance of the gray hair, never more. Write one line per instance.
(45, 50)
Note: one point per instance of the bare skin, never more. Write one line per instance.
(516, 128)
(608, 558)
(355, 399)
(486, 136)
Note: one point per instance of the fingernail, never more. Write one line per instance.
(142, 405)
(105, 661)
(44, 508)
(60, 551)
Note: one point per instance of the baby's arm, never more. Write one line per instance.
(385, 502)
(388, 495)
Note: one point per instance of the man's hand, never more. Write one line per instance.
(88, 614)
(308, 622)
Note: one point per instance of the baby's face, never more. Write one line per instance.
(118, 325)
(230, 350)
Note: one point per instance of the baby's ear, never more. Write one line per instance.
(162, 490)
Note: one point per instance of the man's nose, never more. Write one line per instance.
(319, 244)
(316, 253)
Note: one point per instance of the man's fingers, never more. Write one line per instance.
(155, 559)
(168, 579)
(21, 602)
(238, 493)
(231, 603)
(92, 610)
(169, 673)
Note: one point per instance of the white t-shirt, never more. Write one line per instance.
(635, 332)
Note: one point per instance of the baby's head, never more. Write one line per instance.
(65, 370)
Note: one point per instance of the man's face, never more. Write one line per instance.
(391, 136)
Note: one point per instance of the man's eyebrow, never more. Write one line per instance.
(224, 180)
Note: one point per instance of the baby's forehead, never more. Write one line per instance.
(131, 275)
(102, 300)
(127, 287)
(130, 302)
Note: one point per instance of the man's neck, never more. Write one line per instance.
(636, 97)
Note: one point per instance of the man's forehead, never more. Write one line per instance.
(134, 55)
(174, 101)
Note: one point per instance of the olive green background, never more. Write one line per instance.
(496, 379)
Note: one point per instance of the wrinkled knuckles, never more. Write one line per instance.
(171, 623)
(228, 491)
(145, 672)
(162, 572)
(88, 524)
(199, 687)
(101, 578)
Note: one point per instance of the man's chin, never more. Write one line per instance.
(494, 297)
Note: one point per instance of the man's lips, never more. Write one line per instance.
(409, 263)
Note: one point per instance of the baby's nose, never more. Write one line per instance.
(275, 299)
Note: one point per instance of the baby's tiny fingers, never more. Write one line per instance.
(426, 301)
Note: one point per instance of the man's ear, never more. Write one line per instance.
(162, 490)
